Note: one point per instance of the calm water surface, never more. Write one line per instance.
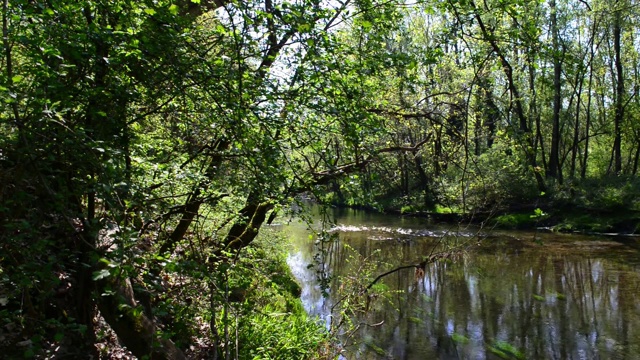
(511, 295)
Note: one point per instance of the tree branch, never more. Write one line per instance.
(421, 265)
(324, 177)
(190, 8)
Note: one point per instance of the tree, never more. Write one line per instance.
(619, 92)
(134, 127)
(555, 171)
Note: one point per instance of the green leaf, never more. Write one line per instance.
(173, 9)
(303, 28)
(459, 338)
(16, 79)
(195, 1)
(101, 274)
(150, 11)
(366, 24)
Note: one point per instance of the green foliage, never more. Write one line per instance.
(359, 295)
(459, 339)
(277, 335)
(503, 178)
(519, 220)
(377, 349)
(407, 209)
(147, 143)
(271, 322)
(604, 194)
(602, 205)
(504, 350)
(444, 210)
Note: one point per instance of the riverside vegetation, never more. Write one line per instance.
(145, 144)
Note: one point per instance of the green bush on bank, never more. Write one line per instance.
(271, 334)
(605, 194)
(270, 322)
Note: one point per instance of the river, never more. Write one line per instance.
(520, 295)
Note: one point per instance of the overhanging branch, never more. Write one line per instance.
(323, 177)
(421, 265)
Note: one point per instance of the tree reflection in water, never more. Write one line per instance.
(570, 298)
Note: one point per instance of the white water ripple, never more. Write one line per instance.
(399, 231)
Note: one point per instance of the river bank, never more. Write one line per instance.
(547, 216)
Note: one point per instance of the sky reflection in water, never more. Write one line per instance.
(560, 297)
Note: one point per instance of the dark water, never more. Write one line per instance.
(509, 295)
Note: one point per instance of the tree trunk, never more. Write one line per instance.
(554, 170)
(534, 111)
(189, 214)
(635, 160)
(585, 157)
(136, 331)
(245, 229)
(529, 150)
(429, 198)
(575, 144)
(619, 106)
(192, 206)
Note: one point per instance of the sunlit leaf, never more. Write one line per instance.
(100, 274)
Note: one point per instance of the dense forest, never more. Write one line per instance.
(146, 144)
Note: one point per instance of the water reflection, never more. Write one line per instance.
(569, 298)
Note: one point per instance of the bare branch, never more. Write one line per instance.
(421, 265)
(586, 4)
